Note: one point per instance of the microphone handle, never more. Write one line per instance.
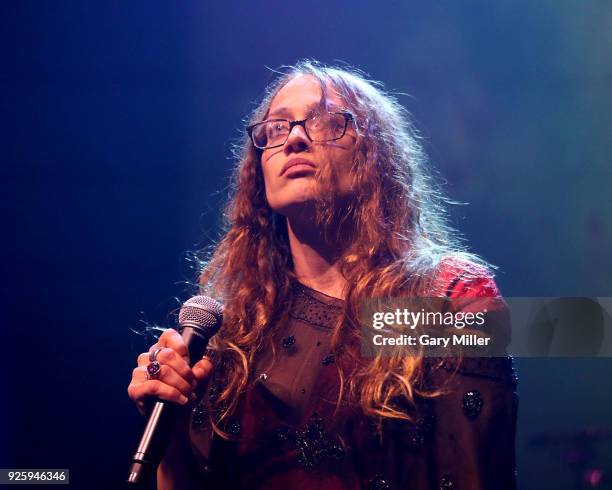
(162, 419)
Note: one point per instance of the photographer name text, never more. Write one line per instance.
(465, 340)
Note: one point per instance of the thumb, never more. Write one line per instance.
(202, 369)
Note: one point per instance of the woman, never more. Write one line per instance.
(332, 205)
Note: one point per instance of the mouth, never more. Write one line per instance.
(298, 164)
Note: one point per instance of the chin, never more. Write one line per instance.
(293, 203)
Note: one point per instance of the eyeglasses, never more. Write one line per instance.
(328, 126)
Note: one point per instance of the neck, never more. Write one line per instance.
(315, 259)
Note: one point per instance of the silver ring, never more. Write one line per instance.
(153, 354)
(153, 370)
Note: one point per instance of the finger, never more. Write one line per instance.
(171, 338)
(175, 361)
(143, 359)
(170, 357)
(139, 374)
(166, 375)
(156, 388)
(132, 394)
(202, 369)
(138, 377)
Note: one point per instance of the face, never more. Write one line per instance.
(290, 171)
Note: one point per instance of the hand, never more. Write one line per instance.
(176, 381)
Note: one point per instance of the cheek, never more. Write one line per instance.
(343, 169)
(266, 170)
(275, 191)
(342, 161)
(269, 166)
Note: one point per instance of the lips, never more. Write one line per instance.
(297, 161)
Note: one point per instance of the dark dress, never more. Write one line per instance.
(285, 434)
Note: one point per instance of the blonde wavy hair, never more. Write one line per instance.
(394, 235)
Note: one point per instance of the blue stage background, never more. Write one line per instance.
(117, 124)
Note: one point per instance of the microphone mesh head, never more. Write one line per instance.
(202, 312)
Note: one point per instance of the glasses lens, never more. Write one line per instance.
(325, 127)
(270, 133)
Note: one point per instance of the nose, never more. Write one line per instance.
(297, 140)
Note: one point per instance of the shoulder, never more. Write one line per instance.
(460, 277)
(471, 287)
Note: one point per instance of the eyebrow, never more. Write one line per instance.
(310, 109)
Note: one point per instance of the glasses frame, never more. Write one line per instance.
(347, 117)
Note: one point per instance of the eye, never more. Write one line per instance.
(317, 121)
(334, 122)
(275, 128)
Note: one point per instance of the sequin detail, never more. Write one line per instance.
(289, 342)
(421, 430)
(198, 417)
(472, 404)
(283, 434)
(378, 483)
(234, 427)
(328, 360)
(213, 393)
(314, 444)
(446, 482)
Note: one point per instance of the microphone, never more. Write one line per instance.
(199, 319)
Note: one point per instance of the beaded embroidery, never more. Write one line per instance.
(472, 404)
(314, 444)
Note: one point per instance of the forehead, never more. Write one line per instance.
(301, 92)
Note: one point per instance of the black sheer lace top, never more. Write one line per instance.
(288, 433)
(289, 370)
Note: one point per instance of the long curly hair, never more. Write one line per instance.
(394, 233)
